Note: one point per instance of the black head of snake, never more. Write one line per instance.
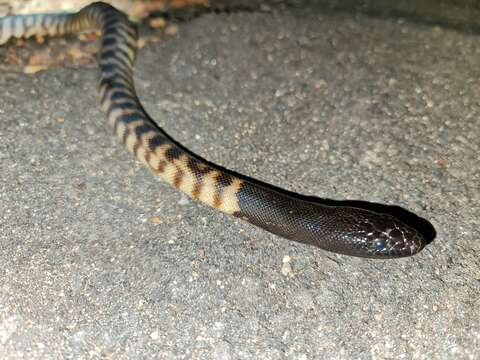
(370, 234)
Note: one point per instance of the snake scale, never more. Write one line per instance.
(341, 229)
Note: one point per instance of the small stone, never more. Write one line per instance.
(155, 335)
(286, 269)
(184, 201)
(155, 220)
(171, 30)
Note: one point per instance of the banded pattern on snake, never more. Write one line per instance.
(342, 229)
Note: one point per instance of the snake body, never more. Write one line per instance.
(342, 229)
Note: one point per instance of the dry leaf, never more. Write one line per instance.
(141, 42)
(12, 57)
(32, 69)
(39, 59)
(78, 54)
(39, 39)
(86, 37)
(171, 30)
(157, 23)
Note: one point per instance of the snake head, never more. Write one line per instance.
(377, 235)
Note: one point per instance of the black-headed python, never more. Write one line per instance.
(342, 229)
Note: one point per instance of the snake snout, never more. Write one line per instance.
(389, 237)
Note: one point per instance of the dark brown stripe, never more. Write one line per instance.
(109, 18)
(108, 90)
(161, 166)
(116, 95)
(148, 155)
(217, 200)
(56, 27)
(124, 105)
(112, 70)
(143, 129)
(120, 65)
(120, 30)
(125, 136)
(198, 168)
(117, 54)
(197, 187)
(126, 119)
(136, 146)
(25, 21)
(43, 25)
(108, 83)
(113, 39)
(109, 40)
(173, 153)
(221, 182)
(156, 141)
(177, 179)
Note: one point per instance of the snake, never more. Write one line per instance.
(347, 230)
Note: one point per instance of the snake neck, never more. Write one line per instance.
(279, 213)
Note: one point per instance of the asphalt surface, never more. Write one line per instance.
(98, 259)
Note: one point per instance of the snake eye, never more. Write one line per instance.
(379, 245)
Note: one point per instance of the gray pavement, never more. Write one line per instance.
(98, 259)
